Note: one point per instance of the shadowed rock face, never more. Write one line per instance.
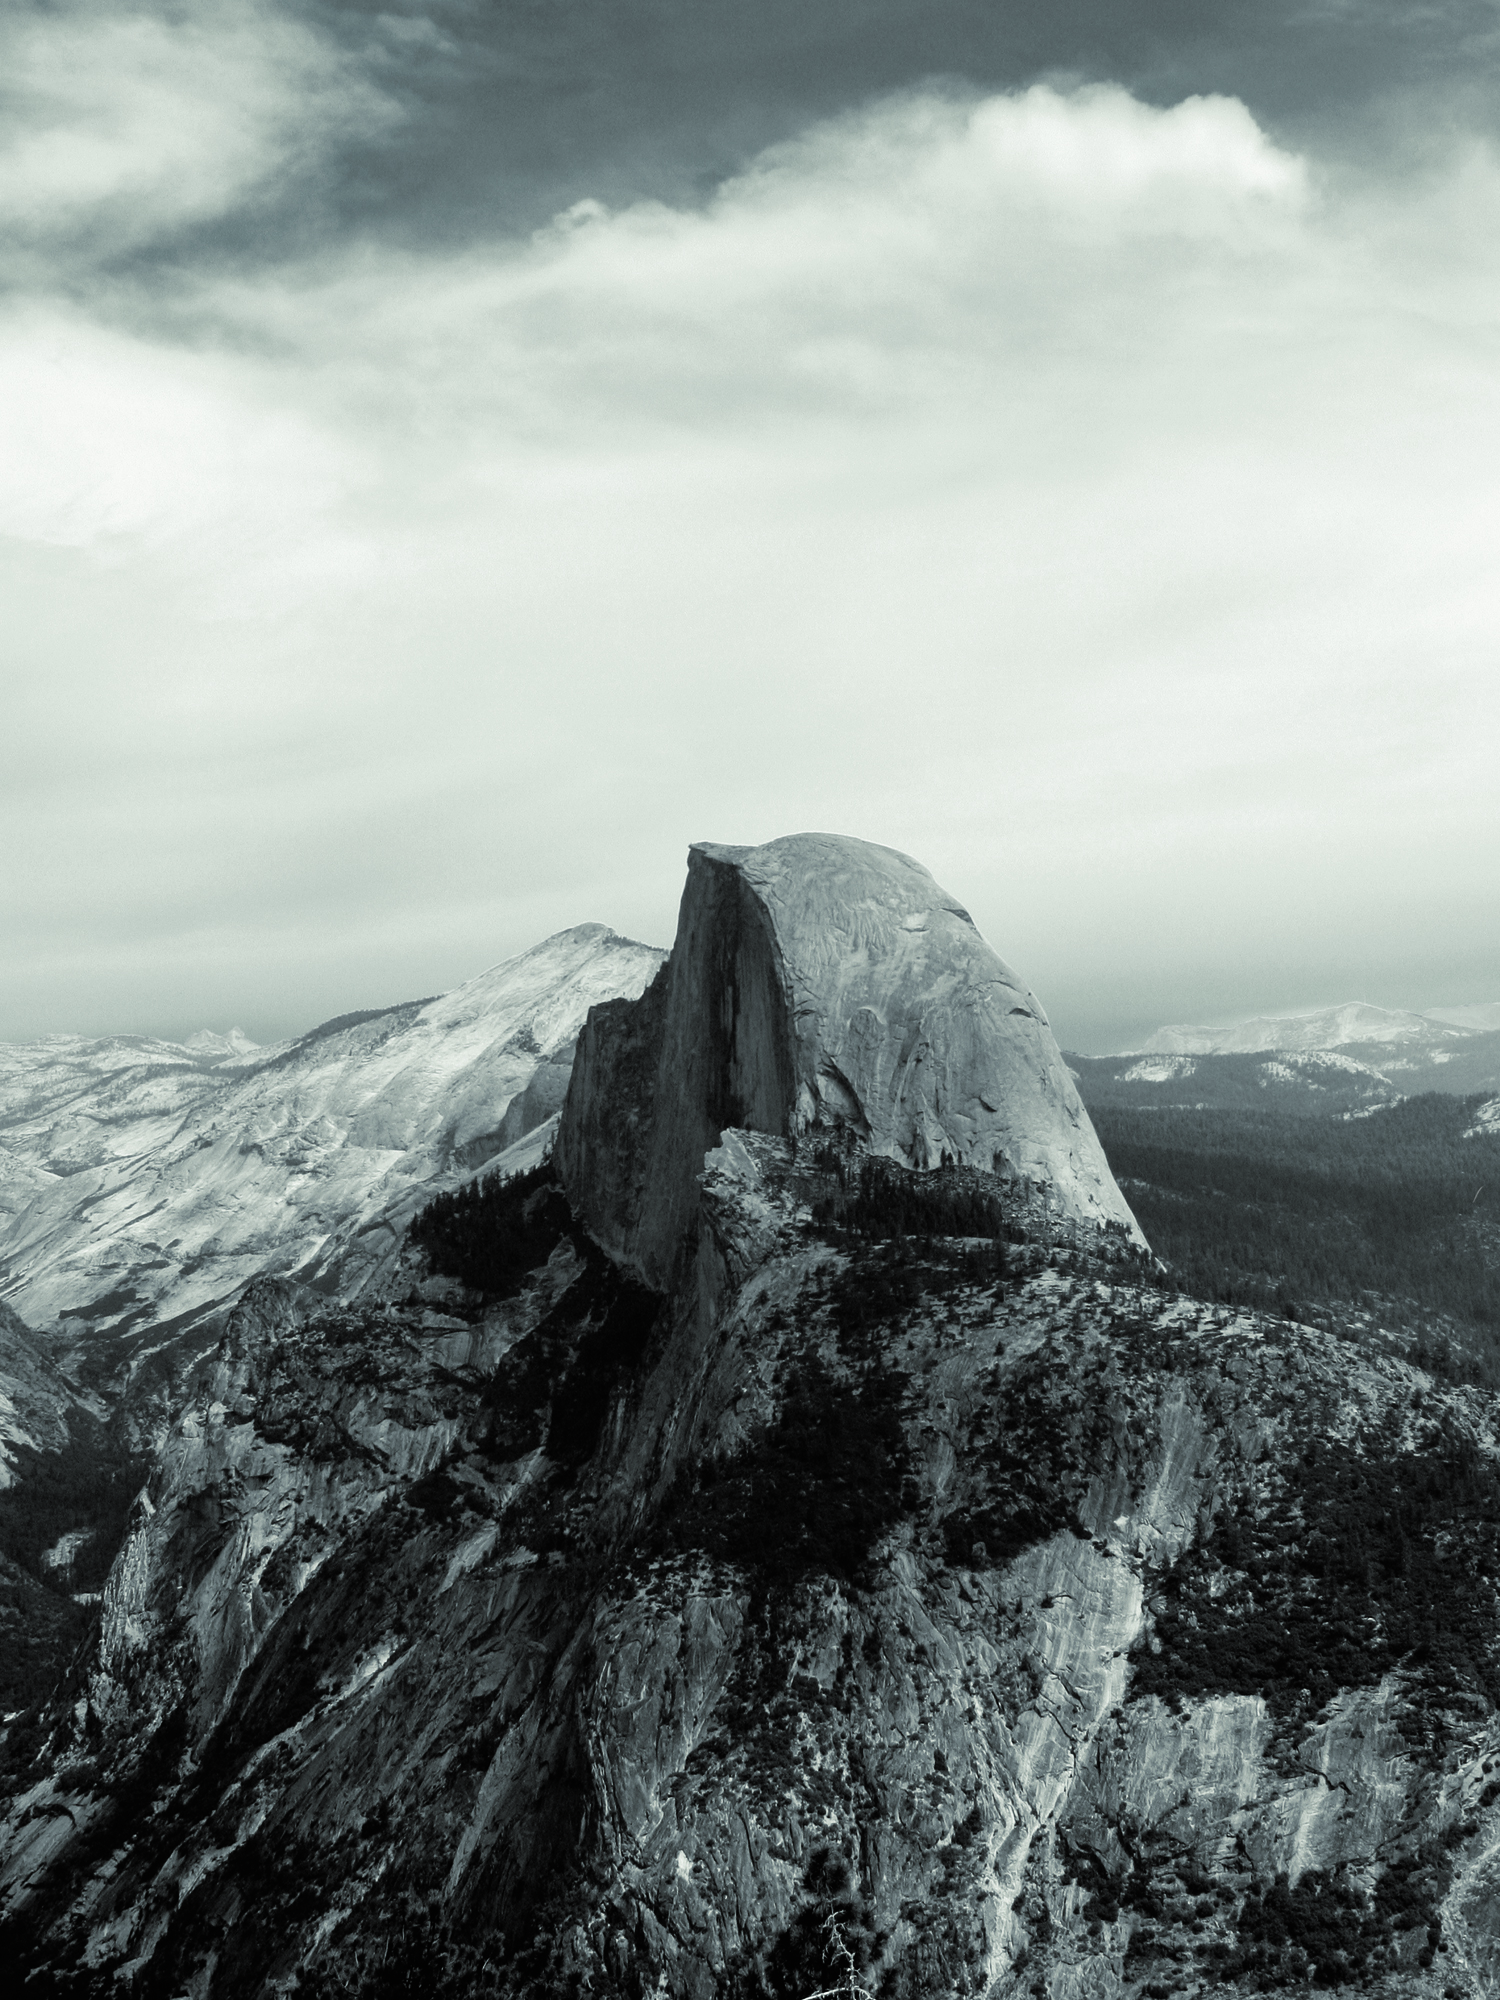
(819, 984)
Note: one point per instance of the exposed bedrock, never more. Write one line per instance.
(819, 984)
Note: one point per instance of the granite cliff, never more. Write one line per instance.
(841, 1567)
(65, 1487)
(823, 990)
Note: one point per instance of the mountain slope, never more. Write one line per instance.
(159, 1188)
(1356, 1079)
(1349, 1057)
(36, 1399)
(1389, 1221)
(66, 1485)
(1483, 1018)
(853, 1605)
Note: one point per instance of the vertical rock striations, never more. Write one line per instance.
(819, 984)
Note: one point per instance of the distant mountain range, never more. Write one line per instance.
(1348, 1060)
(1328, 1028)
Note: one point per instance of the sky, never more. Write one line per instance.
(453, 457)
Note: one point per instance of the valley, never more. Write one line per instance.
(1389, 1221)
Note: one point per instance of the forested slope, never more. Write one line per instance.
(1397, 1213)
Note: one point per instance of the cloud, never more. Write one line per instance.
(1096, 499)
(105, 436)
(897, 263)
(852, 268)
(127, 125)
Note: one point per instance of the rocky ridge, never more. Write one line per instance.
(1355, 1056)
(1327, 1028)
(1313, 1083)
(153, 1186)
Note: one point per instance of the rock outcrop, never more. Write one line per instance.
(820, 988)
(65, 1486)
(36, 1399)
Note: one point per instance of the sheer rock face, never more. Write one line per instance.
(819, 984)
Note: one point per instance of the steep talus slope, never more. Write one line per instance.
(166, 1186)
(903, 1573)
(820, 985)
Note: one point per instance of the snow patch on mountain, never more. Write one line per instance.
(1166, 1069)
(1303, 1060)
(20, 1181)
(1302, 1066)
(208, 1044)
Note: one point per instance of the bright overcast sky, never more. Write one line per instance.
(453, 457)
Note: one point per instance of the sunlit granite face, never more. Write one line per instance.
(148, 1186)
(821, 984)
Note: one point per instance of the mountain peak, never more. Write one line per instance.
(819, 984)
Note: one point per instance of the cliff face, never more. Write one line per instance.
(1025, 1631)
(820, 987)
(65, 1487)
(36, 1400)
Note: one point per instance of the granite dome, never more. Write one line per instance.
(821, 984)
